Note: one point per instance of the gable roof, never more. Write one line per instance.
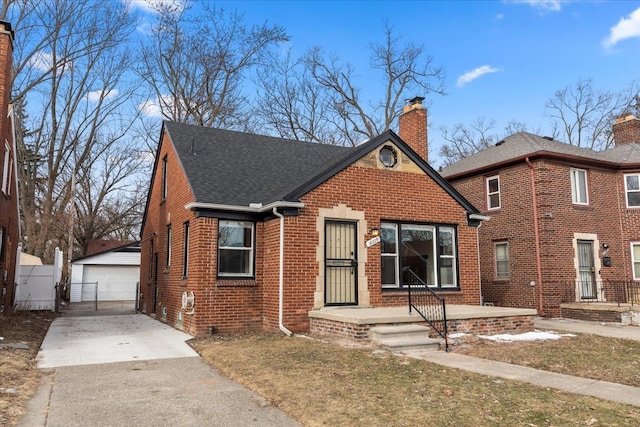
(130, 246)
(521, 145)
(238, 169)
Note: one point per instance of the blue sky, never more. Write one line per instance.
(503, 59)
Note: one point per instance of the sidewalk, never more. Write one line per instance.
(585, 386)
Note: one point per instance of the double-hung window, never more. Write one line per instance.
(635, 259)
(168, 251)
(429, 251)
(165, 172)
(493, 192)
(235, 248)
(632, 188)
(579, 190)
(502, 260)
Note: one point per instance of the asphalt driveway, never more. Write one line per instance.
(131, 370)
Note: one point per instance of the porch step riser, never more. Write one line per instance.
(406, 345)
(404, 338)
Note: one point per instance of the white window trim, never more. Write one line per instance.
(394, 255)
(489, 207)
(495, 252)
(626, 190)
(634, 261)
(251, 251)
(453, 257)
(575, 193)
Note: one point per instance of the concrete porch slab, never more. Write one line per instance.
(382, 315)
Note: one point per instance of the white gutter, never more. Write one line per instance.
(281, 274)
(479, 217)
(252, 208)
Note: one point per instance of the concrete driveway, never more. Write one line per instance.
(131, 370)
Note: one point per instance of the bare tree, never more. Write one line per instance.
(463, 141)
(109, 199)
(324, 102)
(196, 65)
(584, 114)
(71, 89)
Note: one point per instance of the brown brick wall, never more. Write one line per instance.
(9, 219)
(605, 217)
(481, 326)
(230, 305)
(381, 195)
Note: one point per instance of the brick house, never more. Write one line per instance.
(565, 221)
(9, 210)
(249, 232)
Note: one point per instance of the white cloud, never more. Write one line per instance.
(41, 61)
(546, 5)
(626, 28)
(152, 6)
(474, 74)
(95, 95)
(153, 107)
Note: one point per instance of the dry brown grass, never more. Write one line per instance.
(589, 356)
(323, 384)
(19, 377)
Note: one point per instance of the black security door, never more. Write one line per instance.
(341, 265)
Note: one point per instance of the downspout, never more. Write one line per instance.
(281, 274)
(537, 237)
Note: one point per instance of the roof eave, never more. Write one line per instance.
(252, 208)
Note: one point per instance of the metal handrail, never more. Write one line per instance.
(429, 305)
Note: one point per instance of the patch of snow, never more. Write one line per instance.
(527, 336)
(457, 335)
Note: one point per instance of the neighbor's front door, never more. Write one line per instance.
(586, 270)
(341, 265)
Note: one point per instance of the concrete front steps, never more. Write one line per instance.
(404, 338)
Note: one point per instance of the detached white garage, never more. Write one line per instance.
(111, 275)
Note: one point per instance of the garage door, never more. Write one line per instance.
(115, 282)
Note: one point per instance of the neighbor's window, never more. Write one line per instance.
(164, 178)
(579, 191)
(6, 170)
(635, 258)
(502, 259)
(632, 187)
(168, 261)
(493, 192)
(185, 250)
(235, 248)
(427, 250)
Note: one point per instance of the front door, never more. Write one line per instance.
(341, 265)
(586, 270)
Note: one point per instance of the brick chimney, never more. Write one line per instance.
(626, 130)
(413, 127)
(6, 54)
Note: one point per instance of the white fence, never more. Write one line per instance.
(36, 285)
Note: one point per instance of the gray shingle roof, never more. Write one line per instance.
(524, 144)
(237, 168)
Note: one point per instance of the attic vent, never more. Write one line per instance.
(499, 143)
(548, 138)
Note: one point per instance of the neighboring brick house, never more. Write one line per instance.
(565, 221)
(221, 202)
(9, 210)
